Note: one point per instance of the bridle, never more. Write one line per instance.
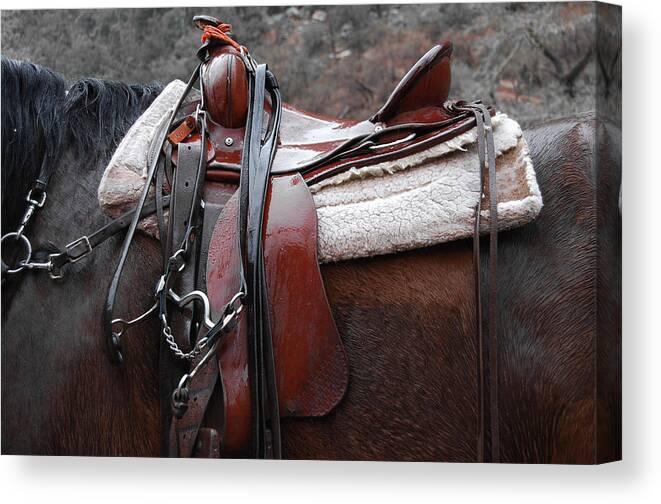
(182, 233)
(36, 199)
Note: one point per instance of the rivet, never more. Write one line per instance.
(229, 141)
(379, 127)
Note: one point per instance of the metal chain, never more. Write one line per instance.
(180, 395)
(169, 339)
(230, 313)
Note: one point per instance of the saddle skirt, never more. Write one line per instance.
(419, 200)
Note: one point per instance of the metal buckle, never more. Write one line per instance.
(38, 203)
(75, 258)
(56, 273)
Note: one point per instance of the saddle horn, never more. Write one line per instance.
(224, 77)
(225, 85)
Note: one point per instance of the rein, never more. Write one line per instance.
(487, 159)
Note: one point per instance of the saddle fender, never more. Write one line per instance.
(310, 362)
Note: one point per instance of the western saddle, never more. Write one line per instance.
(238, 166)
(254, 339)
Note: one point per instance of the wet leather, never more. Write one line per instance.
(310, 363)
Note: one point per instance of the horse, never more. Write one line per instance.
(407, 320)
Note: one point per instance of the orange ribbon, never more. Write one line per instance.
(220, 33)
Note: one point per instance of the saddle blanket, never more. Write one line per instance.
(416, 201)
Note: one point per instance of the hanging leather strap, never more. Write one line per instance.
(481, 436)
(256, 168)
(114, 349)
(487, 162)
(184, 431)
(493, 289)
(257, 275)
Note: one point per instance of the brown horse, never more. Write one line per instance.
(407, 320)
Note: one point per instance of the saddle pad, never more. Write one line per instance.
(416, 201)
(426, 198)
(124, 177)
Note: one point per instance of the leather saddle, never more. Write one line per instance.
(307, 141)
(310, 367)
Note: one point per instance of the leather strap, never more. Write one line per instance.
(184, 431)
(271, 414)
(266, 418)
(256, 167)
(114, 349)
(493, 290)
(84, 245)
(184, 201)
(345, 154)
(487, 161)
(481, 437)
(207, 383)
(160, 209)
(41, 183)
(253, 272)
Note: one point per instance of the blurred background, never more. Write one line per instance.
(535, 61)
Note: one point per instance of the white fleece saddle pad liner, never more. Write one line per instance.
(416, 201)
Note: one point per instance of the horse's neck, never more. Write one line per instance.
(72, 208)
(58, 324)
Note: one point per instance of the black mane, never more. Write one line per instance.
(99, 112)
(31, 129)
(41, 119)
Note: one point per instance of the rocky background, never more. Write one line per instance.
(535, 61)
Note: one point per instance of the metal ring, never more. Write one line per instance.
(28, 249)
(183, 382)
(231, 309)
(119, 322)
(179, 252)
(237, 297)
